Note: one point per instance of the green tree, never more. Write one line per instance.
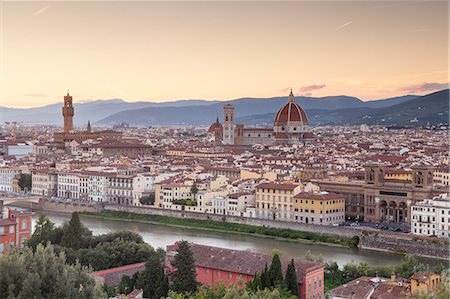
(44, 274)
(44, 231)
(73, 233)
(25, 182)
(275, 272)
(265, 278)
(194, 189)
(163, 288)
(152, 277)
(148, 200)
(291, 279)
(184, 276)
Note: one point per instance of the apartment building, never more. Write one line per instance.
(120, 190)
(15, 228)
(44, 182)
(275, 201)
(165, 193)
(69, 185)
(431, 217)
(320, 208)
(7, 175)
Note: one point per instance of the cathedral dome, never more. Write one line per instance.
(290, 112)
(215, 125)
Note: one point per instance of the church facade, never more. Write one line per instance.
(290, 127)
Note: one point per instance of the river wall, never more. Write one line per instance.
(65, 207)
(329, 230)
(421, 246)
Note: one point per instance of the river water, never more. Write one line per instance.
(160, 236)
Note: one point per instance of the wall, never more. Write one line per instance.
(56, 206)
(423, 246)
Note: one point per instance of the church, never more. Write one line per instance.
(290, 127)
(68, 135)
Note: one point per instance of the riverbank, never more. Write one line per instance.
(228, 227)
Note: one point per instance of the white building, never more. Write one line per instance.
(431, 217)
(7, 175)
(44, 182)
(441, 177)
(19, 150)
(69, 185)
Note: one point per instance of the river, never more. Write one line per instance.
(161, 235)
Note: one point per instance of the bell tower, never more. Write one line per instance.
(68, 112)
(228, 124)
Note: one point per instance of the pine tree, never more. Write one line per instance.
(265, 278)
(275, 272)
(163, 288)
(184, 277)
(73, 233)
(291, 279)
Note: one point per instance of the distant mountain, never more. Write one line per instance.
(429, 109)
(92, 110)
(324, 110)
(244, 107)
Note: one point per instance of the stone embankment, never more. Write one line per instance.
(406, 243)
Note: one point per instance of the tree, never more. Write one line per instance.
(291, 279)
(194, 189)
(184, 276)
(73, 233)
(148, 200)
(275, 272)
(152, 277)
(25, 182)
(265, 278)
(44, 274)
(44, 231)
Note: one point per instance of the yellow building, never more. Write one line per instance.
(321, 208)
(424, 283)
(275, 201)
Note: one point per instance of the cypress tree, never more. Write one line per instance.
(265, 278)
(184, 277)
(275, 272)
(163, 288)
(72, 235)
(291, 279)
(151, 278)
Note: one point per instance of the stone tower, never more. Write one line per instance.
(228, 124)
(67, 111)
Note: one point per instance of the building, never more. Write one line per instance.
(425, 282)
(378, 198)
(366, 287)
(8, 175)
(166, 193)
(441, 176)
(220, 265)
(431, 217)
(69, 185)
(68, 134)
(290, 127)
(275, 201)
(15, 228)
(44, 182)
(320, 208)
(112, 277)
(120, 190)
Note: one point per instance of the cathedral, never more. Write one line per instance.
(290, 127)
(68, 135)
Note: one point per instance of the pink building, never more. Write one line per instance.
(214, 264)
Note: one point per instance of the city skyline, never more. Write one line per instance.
(220, 51)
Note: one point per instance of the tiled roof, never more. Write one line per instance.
(113, 276)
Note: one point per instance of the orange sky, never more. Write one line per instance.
(153, 51)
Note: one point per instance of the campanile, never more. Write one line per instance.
(67, 111)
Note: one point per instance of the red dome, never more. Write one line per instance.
(291, 112)
(215, 125)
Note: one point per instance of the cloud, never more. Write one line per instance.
(40, 11)
(423, 87)
(308, 89)
(285, 90)
(344, 25)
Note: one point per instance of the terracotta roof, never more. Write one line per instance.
(291, 112)
(290, 187)
(113, 276)
(318, 196)
(243, 262)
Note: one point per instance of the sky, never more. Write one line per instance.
(165, 51)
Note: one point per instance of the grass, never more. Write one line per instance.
(232, 227)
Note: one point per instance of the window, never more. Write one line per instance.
(207, 271)
(229, 274)
(2, 247)
(218, 273)
(2, 230)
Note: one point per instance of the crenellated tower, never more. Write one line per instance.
(68, 112)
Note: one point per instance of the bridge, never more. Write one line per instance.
(25, 201)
